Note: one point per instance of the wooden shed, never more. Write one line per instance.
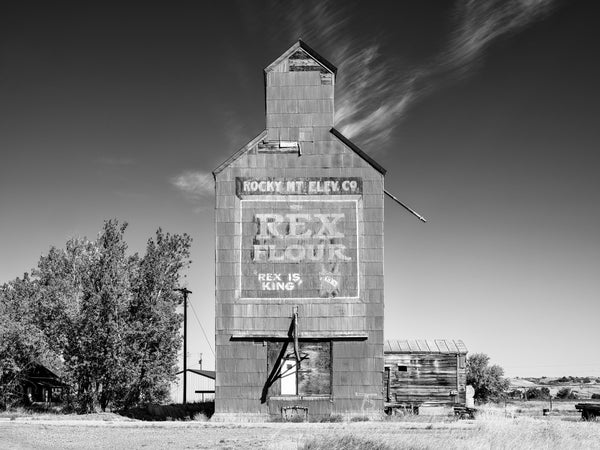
(40, 384)
(299, 259)
(425, 373)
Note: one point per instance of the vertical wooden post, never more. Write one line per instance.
(296, 332)
(457, 398)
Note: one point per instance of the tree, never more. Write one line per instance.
(566, 394)
(153, 349)
(487, 381)
(111, 317)
(534, 393)
(22, 343)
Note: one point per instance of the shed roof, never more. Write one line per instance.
(203, 373)
(425, 346)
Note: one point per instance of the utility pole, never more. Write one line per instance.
(185, 292)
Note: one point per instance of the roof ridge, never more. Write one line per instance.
(240, 152)
(358, 151)
(309, 50)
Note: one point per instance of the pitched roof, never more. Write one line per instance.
(358, 151)
(204, 373)
(425, 346)
(347, 142)
(240, 152)
(312, 53)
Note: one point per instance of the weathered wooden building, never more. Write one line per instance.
(299, 259)
(422, 373)
(40, 384)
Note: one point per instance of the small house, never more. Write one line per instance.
(421, 373)
(40, 384)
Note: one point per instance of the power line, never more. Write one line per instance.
(202, 328)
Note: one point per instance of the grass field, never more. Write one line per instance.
(496, 427)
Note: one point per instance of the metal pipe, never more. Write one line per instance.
(412, 211)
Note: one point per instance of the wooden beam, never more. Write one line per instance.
(335, 335)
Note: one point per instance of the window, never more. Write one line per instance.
(313, 377)
(402, 368)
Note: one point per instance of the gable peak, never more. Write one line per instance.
(303, 57)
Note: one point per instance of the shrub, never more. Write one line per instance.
(359, 419)
(334, 418)
(566, 394)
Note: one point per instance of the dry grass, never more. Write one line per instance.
(490, 433)
(348, 442)
(525, 428)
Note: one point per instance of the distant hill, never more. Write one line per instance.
(583, 387)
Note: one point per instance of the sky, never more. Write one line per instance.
(486, 115)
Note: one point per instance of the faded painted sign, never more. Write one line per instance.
(298, 186)
(299, 247)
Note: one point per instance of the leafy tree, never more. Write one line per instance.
(487, 381)
(95, 354)
(22, 343)
(534, 393)
(152, 350)
(112, 318)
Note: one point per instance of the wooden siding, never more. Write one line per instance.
(428, 379)
(300, 109)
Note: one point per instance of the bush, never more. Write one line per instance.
(488, 381)
(566, 394)
(334, 418)
(359, 419)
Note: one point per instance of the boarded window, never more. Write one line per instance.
(314, 375)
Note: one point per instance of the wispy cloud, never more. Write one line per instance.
(375, 96)
(477, 25)
(196, 186)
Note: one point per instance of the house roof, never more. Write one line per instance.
(425, 346)
(203, 373)
(312, 53)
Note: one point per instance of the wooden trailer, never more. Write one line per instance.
(589, 411)
(424, 373)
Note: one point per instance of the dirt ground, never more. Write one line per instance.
(525, 433)
(511, 426)
(63, 434)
